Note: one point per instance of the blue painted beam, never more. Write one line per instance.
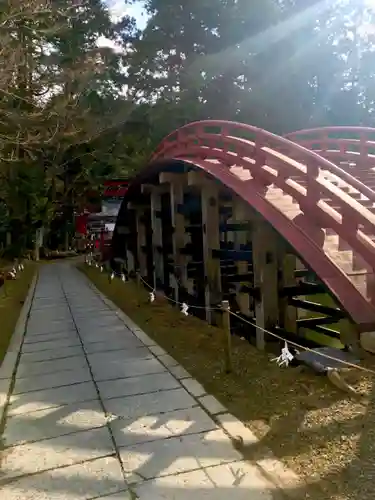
(236, 255)
(235, 226)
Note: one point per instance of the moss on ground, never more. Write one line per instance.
(322, 434)
(12, 297)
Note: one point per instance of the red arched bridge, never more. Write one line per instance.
(276, 225)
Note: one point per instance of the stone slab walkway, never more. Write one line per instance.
(97, 410)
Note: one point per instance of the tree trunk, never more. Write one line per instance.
(39, 237)
(66, 244)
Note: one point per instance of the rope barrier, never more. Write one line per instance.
(294, 344)
(275, 335)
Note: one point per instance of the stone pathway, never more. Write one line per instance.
(100, 411)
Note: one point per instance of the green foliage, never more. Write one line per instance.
(279, 65)
(74, 112)
(60, 94)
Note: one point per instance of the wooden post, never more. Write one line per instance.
(265, 264)
(211, 241)
(141, 241)
(227, 337)
(288, 314)
(157, 239)
(176, 186)
(240, 214)
(129, 247)
(349, 336)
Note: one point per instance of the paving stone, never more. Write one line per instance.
(48, 398)
(48, 337)
(8, 364)
(49, 306)
(105, 368)
(99, 321)
(159, 426)
(177, 454)
(237, 481)
(50, 301)
(143, 337)
(51, 320)
(149, 404)
(121, 495)
(179, 372)
(120, 356)
(236, 428)
(52, 366)
(56, 452)
(85, 311)
(92, 304)
(115, 344)
(50, 380)
(103, 331)
(52, 344)
(42, 329)
(39, 308)
(65, 352)
(158, 351)
(167, 360)
(92, 479)
(53, 422)
(117, 335)
(41, 318)
(36, 330)
(162, 426)
(137, 385)
(194, 387)
(80, 314)
(212, 405)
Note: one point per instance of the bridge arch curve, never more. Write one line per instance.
(321, 210)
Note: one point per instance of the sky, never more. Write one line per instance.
(118, 8)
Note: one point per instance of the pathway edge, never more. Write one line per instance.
(10, 360)
(271, 467)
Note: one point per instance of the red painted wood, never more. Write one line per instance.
(249, 161)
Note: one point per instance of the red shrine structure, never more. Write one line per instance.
(95, 224)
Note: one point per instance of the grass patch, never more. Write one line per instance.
(12, 298)
(322, 434)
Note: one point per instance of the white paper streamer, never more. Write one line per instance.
(184, 309)
(285, 357)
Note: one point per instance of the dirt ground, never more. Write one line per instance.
(324, 435)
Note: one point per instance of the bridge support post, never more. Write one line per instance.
(176, 186)
(141, 241)
(288, 314)
(157, 236)
(210, 239)
(241, 214)
(265, 262)
(130, 258)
